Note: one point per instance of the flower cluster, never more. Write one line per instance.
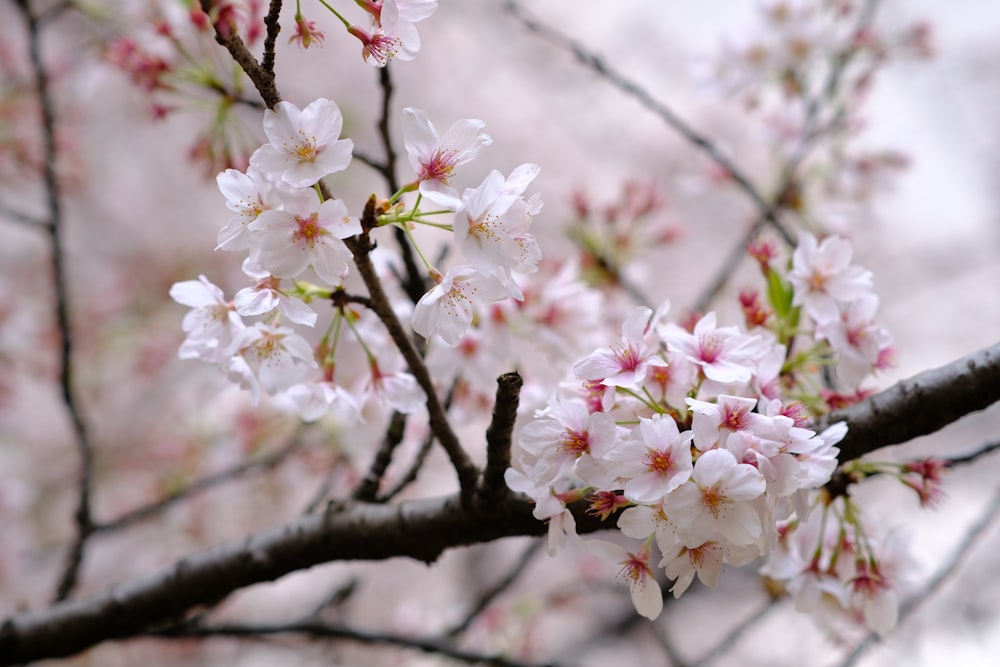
(287, 228)
(292, 232)
(701, 435)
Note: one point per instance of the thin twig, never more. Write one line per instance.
(322, 630)
(984, 450)
(737, 633)
(641, 95)
(811, 134)
(23, 218)
(368, 489)
(466, 470)
(200, 486)
(487, 597)
(83, 517)
(411, 474)
(273, 28)
(415, 283)
(262, 78)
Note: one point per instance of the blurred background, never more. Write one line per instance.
(141, 214)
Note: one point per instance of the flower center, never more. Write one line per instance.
(575, 442)
(309, 232)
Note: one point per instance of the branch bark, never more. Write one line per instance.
(920, 405)
(423, 529)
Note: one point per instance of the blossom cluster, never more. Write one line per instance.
(701, 436)
(293, 232)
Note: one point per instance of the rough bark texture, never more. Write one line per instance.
(423, 529)
(920, 405)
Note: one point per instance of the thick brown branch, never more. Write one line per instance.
(498, 438)
(423, 529)
(920, 405)
(418, 529)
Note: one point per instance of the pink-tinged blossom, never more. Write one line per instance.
(823, 277)
(724, 354)
(564, 432)
(637, 573)
(304, 233)
(491, 226)
(306, 34)
(705, 560)
(818, 455)
(857, 340)
(447, 309)
(655, 459)
(549, 505)
(801, 560)
(393, 33)
(304, 145)
(626, 363)
(379, 46)
(435, 158)
(873, 594)
(714, 504)
(211, 325)
(249, 195)
(712, 423)
(397, 389)
(266, 296)
(272, 358)
(314, 400)
(641, 521)
(671, 384)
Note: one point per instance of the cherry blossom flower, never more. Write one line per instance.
(626, 363)
(435, 158)
(857, 340)
(491, 226)
(563, 433)
(713, 504)
(211, 325)
(655, 460)
(303, 144)
(393, 33)
(822, 276)
(635, 569)
(249, 195)
(304, 233)
(724, 354)
(306, 34)
(879, 603)
(272, 358)
(447, 309)
(314, 400)
(266, 296)
(705, 560)
(550, 506)
(397, 389)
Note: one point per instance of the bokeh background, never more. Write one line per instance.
(140, 216)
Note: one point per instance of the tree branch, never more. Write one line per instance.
(319, 629)
(920, 405)
(641, 95)
(83, 516)
(423, 529)
(262, 78)
(498, 438)
(466, 470)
